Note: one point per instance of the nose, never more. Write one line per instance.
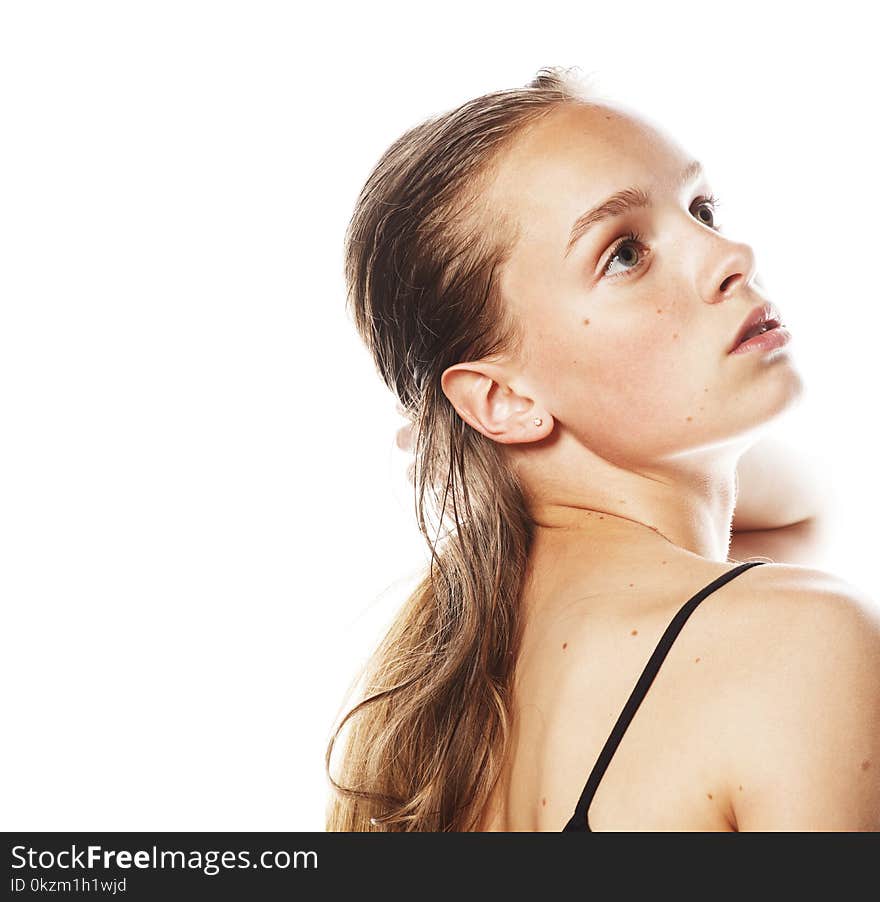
(733, 268)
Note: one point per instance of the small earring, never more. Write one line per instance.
(537, 421)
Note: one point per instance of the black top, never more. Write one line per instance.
(580, 819)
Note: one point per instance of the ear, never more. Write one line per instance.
(483, 397)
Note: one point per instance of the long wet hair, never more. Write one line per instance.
(427, 740)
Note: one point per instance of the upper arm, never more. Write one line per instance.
(780, 482)
(785, 505)
(808, 757)
(799, 543)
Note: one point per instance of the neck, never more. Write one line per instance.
(686, 502)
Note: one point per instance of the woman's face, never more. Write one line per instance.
(626, 339)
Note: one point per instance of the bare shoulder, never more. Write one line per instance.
(803, 702)
(816, 606)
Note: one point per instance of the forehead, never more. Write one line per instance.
(574, 158)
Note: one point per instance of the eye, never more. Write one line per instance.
(708, 204)
(625, 251)
(629, 251)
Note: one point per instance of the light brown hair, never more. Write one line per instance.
(426, 742)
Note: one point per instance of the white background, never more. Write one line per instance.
(204, 520)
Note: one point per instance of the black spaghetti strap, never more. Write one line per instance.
(579, 820)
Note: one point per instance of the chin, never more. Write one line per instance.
(781, 390)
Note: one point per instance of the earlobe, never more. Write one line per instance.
(540, 427)
(482, 396)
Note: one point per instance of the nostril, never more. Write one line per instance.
(729, 281)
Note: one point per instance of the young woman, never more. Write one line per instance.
(543, 283)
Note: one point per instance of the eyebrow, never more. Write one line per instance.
(620, 202)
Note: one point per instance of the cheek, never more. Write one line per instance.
(638, 377)
(613, 384)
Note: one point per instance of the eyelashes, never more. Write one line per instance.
(712, 201)
(629, 240)
(634, 239)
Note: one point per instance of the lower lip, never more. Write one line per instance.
(766, 341)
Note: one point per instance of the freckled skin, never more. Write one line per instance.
(626, 372)
(612, 399)
(709, 794)
(740, 788)
(866, 764)
(564, 646)
(543, 802)
(696, 661)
